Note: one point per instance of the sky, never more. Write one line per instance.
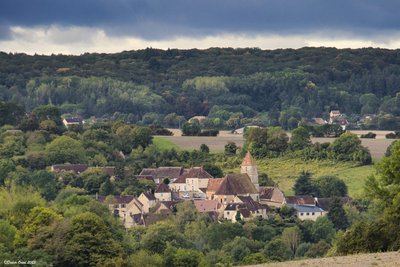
(108, 26)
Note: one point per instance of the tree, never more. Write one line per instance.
(7, 234)
(330, 186)
(265, 180)
(38, 217)
(158, 235)
(300, 139)
(304, 185)
(106, 188)
(277, 250)
(6, 166)
(214, 170)
(143, 258)
(318, 250)
(93, 179)
(230, 148)
(291, 237)
(48, 112)
(89, 241)
(187, 258)
(65, 149)
(190, 129)
(204, 148)
(323, 229)
(45, 183)
(337, 215)
(348, 147)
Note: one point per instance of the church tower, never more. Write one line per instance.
(249, 166)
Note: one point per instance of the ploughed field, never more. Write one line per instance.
(376, 146)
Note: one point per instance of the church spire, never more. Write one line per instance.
(249, 167)
(248, 160)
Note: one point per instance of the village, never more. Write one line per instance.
(236, 197)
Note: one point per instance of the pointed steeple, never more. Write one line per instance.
(248, 160)
(249, 167)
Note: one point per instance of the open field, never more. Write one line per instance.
(285, 171)
(376, 146)
(388, 259)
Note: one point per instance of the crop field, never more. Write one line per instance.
(376, 146)
(388, 259)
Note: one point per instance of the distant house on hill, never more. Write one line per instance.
(72, 121)
(161, 173)
(335, 117)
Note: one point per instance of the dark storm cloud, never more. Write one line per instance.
(159, 19)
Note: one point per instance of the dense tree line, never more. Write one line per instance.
(234, 87)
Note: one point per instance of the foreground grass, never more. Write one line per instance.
(359, 260)
(284, 171)
(164, 144)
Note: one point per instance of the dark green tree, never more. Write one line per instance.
(337, 215)
(304, 185)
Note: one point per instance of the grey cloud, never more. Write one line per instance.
(161, 19)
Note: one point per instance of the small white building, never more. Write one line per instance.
(306, 212)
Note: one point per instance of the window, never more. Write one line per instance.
(227, 213)
(301, 214)
(313, 213)
(123, 205)
(308, 214)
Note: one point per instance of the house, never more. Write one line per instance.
(300, 200)
(165, 207)
(246, 208)
(123, 207)
(335, 117)
(72, 121)
(77, 168)
(271, 196)
(193, 182)
(236, 185)
(308, 212)
(163, 193)
(148, 201)
(161, 173)
(212, 187)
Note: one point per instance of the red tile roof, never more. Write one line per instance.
(248, 160)
(77, 168)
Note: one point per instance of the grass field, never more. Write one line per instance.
(285, 171)
(164, 144)
(387, 259)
